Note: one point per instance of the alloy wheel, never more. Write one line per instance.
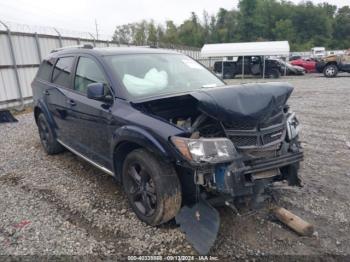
(142, 189)
(330, 71)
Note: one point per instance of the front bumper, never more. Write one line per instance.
(277, 162)
(239, 179)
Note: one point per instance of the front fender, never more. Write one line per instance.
(127, 138)
(137, 135)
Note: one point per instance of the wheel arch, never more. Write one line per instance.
(332, 63)
(40, 107)
(129, 138)
(37, 112)
(120, 152)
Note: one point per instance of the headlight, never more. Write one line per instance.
(293, 126)
(210, 150)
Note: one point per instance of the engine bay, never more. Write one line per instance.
(183, 112)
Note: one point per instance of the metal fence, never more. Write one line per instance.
(21, 52)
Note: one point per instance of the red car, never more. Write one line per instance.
(308, 64)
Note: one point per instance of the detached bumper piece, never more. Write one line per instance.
(201, 224)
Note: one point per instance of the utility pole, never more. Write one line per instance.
(96, 27)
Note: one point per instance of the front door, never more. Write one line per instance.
(92, 122)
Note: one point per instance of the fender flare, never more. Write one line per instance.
(136, 137)
(43, 109)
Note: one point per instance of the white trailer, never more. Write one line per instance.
(271, 48)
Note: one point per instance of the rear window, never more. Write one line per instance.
(45, 70)
(63, 71)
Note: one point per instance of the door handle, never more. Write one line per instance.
(71, 102)
(46, 92)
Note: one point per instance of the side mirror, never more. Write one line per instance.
(96, 91)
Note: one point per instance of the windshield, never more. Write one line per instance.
(147, 75)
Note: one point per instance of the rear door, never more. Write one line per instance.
(92, 124)
(57, 93)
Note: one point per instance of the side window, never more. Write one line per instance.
(88, 72)
(45, 70)
(62, 71)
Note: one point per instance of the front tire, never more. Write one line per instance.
(47, 137)
(330, 71)
(152, 187)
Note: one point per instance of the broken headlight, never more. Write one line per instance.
(293, 126)
(210, 150)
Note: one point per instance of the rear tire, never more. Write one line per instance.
(274, 73)
(330, 70)
(47, 137)
(152, 187)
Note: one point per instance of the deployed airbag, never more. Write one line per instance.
(153, 81)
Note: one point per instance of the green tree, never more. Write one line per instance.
(284, 30)
(160, 33)
(248, 25)
(342, 28)
(123, 34)
(304, 25)
(139, 33)
(191, 32)
(227, 25)
(206, 27)
(313, 25)
(152, 33)
(170, 35)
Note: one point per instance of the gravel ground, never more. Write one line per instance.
(63, 206)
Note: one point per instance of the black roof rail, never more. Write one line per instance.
(84, 46)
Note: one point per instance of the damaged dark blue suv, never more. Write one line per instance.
(168, 129)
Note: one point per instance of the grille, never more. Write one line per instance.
(255, 138)
(244, 140)
(240, 125)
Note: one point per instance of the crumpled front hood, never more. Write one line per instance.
(253, 103)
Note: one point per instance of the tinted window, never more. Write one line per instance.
(45, 70)
(87, 72)
(62, 71)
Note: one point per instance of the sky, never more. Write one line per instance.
(80, 15)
